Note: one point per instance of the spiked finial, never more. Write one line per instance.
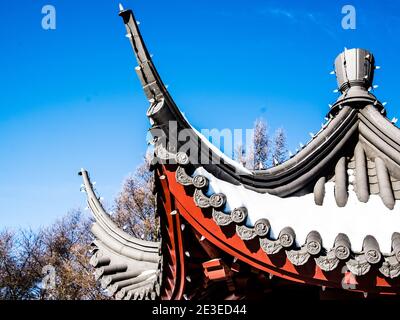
(121, 7)
(354, 68)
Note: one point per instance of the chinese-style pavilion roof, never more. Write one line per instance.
(328, 212)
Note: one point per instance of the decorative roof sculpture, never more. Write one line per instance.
(326, 215)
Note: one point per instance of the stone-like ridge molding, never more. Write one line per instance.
(359, 263)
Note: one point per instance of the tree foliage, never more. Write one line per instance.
(134, 209)
(240, 155)
(53, 262)
(264, 151)
(261, 145)
(280, 151)
(61, 248)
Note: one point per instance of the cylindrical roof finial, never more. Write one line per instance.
(354, 68)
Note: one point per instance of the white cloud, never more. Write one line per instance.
(281, 12)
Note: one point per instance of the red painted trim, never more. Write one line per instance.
(310, 274)
(176, 250)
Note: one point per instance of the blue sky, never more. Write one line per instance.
(70, 97)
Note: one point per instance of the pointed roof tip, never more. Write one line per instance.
(121, 7)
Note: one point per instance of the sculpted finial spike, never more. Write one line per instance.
(121, 7)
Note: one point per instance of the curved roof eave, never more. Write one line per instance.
(286, 179)
(127, 267)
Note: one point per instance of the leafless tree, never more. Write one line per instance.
(24, 255)
(135, 205)
(27, 257)
(263, 152)
(20, 258)
(240, 155)
(259, 157)
(279, 147)
(67, 243)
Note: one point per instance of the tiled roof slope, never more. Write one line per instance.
(314, 248)
(129, 268)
